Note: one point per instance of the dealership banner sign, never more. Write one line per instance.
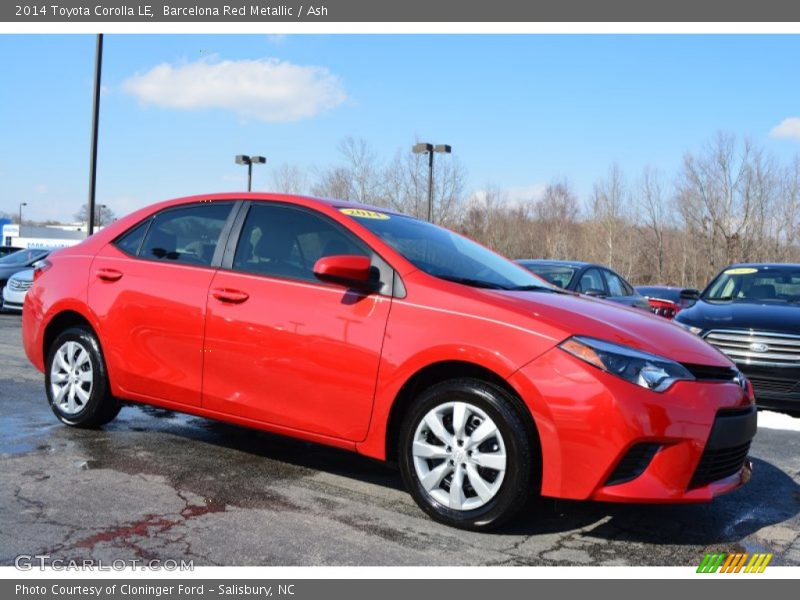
(465, 11)
(385, 589)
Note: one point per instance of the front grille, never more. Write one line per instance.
(757, 347)
(709, 373)
(633, 464)
(19, 286)
(716, 464)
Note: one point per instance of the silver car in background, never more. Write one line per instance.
(15, 289)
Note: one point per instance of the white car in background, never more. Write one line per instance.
(15, 290)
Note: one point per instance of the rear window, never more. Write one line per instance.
(557, 275)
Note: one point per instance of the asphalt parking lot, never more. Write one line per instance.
(160, 485)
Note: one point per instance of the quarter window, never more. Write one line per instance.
(616, 286)
(131, 241)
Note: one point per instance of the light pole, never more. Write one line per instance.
(98, 69)
(100, 213)
(243, 159)
(21, 204)
(429, 149)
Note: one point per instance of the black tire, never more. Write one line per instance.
(520, 479)
(101, 407)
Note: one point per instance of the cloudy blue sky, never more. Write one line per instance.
(519, 110)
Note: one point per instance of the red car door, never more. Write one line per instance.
(283, 347)
(149, 291)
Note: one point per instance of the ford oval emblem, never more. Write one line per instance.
(758, 347)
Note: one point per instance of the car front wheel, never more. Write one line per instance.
(77, 382)
(465, 454)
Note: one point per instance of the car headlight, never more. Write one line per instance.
(647, 370)
(689, 328)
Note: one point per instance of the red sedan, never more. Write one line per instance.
(373, 331)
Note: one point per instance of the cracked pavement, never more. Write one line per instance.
(155, 484)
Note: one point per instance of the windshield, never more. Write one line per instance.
(778, 284)
(444, 254)
(22, 257)
(559, 275)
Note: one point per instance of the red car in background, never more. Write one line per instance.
(667, 301)
(376, 332)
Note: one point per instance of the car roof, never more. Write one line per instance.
(279, 197)
(553, 263)
(763, 266)
(655, 286)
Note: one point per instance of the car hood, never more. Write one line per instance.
(767, 316)
(8, 271)
(579, 315)
(26, 275)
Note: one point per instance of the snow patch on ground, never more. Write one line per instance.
(774, 420)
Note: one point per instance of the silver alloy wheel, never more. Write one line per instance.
(459, 456)
(71, 378)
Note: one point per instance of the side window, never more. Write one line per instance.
(186, 235)
(286, 242)
(616, 285)
(131, 241)
(591, 280)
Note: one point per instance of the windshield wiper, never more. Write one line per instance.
(479, 283)
(536, 288)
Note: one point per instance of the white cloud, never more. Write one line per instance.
(526, 193)
(788, 129)
(265, 89)
(511, 196)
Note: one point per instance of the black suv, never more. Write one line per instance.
(751, 312)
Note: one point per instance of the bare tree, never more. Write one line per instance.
(357, 179)
(289, 179)
(405, 186)
(654, 213)
(557, 211)
(608, 212)
(725, 195)
(103, 214)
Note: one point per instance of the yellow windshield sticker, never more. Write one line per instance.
(364, 214)
(741, 271)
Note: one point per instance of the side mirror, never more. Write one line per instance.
(595, 293)
(345, 269)
(690, 294)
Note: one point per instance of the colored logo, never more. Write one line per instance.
(734, 563)
(364, 214)
(758, 347)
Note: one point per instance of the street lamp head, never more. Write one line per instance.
(242, 159)
(23, 204)
(258, 160)
(444, 148)
(422, 148)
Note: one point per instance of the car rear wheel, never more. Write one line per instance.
(465, 454)
(76, 380)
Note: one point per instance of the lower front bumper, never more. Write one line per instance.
(12, 301)
(588, 421)
(723, 465)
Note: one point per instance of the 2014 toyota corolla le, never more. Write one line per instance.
(373, 331)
